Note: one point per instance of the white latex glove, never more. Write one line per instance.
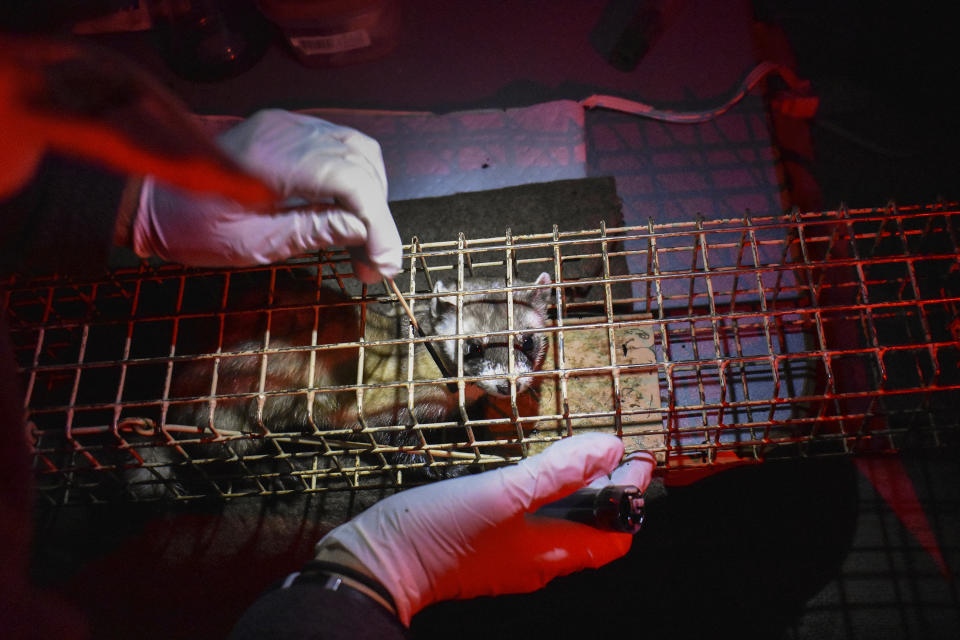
(473, 536)
(334, 188)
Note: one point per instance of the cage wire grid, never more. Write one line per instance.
(768, 337)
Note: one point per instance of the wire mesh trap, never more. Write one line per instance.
(732, 340)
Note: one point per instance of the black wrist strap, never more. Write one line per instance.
(319, 567)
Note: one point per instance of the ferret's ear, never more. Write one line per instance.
(440, 305)
(543, 278)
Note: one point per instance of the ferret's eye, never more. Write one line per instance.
(473, 349)
(527, 345)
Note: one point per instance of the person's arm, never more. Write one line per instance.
(319, 604)
(461, 538)
(331, 178)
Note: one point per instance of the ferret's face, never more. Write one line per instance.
(489, 355)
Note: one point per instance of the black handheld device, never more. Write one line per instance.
(610, 508)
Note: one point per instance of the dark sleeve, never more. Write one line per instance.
(308, 611)
(62, 221)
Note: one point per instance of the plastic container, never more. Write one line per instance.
(331, 33)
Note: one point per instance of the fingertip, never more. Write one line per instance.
(593, 441)
(361, 269)
(565, 466)
(601, 452)
(636, 471)
(641, 455)
(367, 271)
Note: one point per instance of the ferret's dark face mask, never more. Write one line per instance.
(488, 357)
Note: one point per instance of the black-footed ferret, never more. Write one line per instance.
(285, 404)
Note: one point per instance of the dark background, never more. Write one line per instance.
(793, 549)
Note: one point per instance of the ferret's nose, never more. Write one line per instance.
(503, 388)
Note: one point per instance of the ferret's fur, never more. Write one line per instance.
(336, 319)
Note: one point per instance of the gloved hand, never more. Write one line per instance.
(472, 536)
(335, 189)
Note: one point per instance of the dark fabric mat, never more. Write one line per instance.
(571, 205)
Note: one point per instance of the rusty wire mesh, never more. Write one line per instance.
(779, 336)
